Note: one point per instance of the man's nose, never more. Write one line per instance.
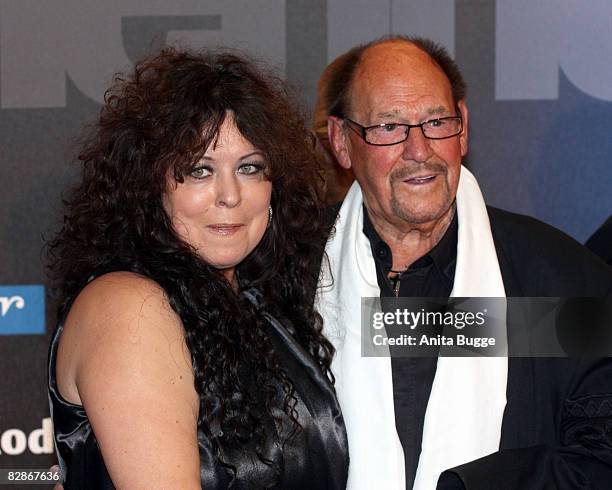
(228, 191)
(416, 147)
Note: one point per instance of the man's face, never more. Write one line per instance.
(413, 183)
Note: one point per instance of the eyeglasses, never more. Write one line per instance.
(386, 134)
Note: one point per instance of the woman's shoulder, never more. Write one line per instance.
(119, 286)
(118, 322)
(116, 297)
(126, 361)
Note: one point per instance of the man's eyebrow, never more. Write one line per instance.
(433, 111)
(437, 111)
(393, 113)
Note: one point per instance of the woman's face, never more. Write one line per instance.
(221, 208)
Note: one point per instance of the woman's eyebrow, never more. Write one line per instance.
(248, 155)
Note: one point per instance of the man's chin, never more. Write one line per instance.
(421, 215)
(419, 219)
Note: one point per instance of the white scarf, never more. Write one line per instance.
(465, 409)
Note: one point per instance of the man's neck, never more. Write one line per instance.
(414, 241)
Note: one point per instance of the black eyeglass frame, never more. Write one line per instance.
(364, 129)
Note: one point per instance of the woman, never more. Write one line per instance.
(188, 352)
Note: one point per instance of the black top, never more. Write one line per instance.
(316, 458)
(431, 276)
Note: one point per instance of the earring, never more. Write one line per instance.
(269, 215)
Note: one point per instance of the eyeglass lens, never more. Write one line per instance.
(396, 133)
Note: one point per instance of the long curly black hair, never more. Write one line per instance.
(159, 121)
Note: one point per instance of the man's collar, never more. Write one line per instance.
(443, 254)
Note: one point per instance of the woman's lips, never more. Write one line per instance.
(224, 228)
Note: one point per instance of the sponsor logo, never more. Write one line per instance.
(22, 310)
(14, 442)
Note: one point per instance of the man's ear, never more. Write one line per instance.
(463, 137)
(338, 141)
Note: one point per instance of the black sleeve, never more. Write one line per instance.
(538, 260)
(600, 242)
(582, 459)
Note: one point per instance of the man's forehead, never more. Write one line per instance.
(396, 68)
(397, 55)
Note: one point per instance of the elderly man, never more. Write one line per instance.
(415, 224)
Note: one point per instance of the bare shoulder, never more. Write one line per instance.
(120, 295)
(124, 358)
(118, 320)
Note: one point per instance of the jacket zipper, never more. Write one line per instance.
(396, 287)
